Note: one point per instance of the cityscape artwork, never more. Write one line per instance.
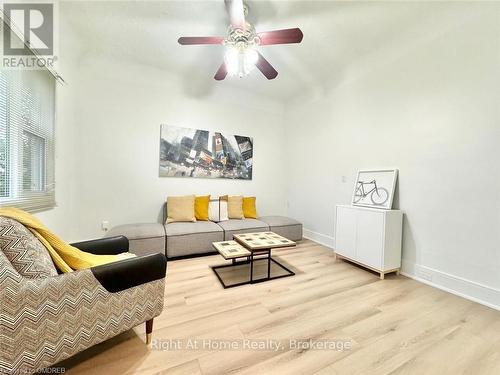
(186, 152)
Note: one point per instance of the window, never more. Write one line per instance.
(27, 103)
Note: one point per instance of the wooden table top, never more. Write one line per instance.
(231, 249)
(263, 240)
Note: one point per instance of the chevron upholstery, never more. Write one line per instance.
(46, 320)
(24, 251)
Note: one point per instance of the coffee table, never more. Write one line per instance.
(248, 248)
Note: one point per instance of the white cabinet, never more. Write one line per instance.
(347, 227)
(369, 237)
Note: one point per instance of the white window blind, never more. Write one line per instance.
(27, 107)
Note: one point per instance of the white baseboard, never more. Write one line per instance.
(459, 286)
(320, 238)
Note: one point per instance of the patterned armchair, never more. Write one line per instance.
(46, 317)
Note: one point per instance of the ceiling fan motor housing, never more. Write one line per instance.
(239, 37)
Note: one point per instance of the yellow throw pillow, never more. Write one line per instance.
(201, 207)
(249, 209)
(180, 208)
(235, 207)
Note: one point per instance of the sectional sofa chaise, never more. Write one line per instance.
(181, 239)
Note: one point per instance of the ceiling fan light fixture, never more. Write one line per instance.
(232, 60)
(240, 61)
(241, 56)
(251, 58)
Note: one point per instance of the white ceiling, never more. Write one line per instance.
(336, 34)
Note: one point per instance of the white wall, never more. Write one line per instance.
(119, 112)
(430, 107)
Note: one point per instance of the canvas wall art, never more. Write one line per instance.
(375, 188)
(186, 152)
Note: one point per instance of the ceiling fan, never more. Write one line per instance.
(241, 55)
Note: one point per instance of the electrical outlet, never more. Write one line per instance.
(105, 225)
(344, 179)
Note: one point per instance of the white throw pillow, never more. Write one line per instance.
(213, 211)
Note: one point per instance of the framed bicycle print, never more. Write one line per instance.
(375, 188)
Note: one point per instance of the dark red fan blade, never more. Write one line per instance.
(266, 68)
(281, 36)
(189, 40)
(221, 73)
(236, 12)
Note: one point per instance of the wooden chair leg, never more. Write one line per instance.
(149, 330)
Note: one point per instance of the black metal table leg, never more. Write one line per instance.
(269, 264)
(251, 268)
(251, 259)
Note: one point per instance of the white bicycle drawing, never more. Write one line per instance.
(378, 195)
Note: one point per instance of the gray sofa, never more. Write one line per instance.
(143, 238)
(189, 239)
(234, 226)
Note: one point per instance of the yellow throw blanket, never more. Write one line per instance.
(66, 257)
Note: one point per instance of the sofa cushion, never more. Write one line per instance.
(235, 207)
(237, 224)
(144, 238)
(217, 210)
(25, 252)
(284, 226)
(135, 231)
(201, 207)
(180, 208)
(249, 208)
(278, 221)
(180, 229)
(192, 238)
(232, 227)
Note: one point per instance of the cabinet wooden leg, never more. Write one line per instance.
(382, 276)
(397, 272)
(149, 331)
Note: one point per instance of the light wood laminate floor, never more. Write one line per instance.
(395, 326)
